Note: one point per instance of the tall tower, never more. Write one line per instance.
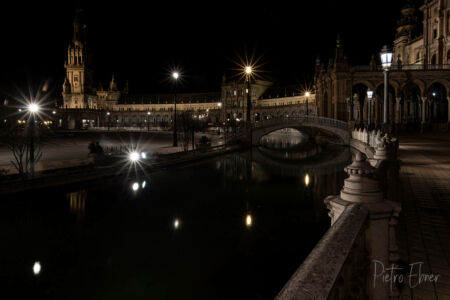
(78, 79)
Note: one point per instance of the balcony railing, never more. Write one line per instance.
(416, 67)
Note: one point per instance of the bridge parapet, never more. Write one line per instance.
(337, 127)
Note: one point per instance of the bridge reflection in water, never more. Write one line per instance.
(244, 222)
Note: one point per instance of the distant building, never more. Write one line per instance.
(419, 91)
(84, 105)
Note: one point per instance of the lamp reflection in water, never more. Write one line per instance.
(77, 202)
(37, 268)
(248, 220)
(307, 179)
(176, 224)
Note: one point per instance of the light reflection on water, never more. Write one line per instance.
(283, 139)
(130, 243)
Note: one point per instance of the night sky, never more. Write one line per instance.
(140, 40)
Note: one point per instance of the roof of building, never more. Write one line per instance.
(169, 98)
(281, 91)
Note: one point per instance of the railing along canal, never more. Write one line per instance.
(301, 120)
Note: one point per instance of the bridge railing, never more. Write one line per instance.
(304, 119)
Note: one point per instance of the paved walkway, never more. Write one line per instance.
(424, 228)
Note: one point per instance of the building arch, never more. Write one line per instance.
(410, 104)
(438, 104)
(433, 59)
(419, 83)
(443, 82)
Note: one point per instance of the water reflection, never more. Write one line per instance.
(283, 139)
(248, 220)
(36, 268)
(253, 206)
(77, 201)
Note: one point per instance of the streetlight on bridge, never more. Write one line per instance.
(386, 61)
(369, 113)
(307, 96)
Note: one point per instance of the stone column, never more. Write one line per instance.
(448, 109)
(423, 112)
(362, 188)
(397, 110)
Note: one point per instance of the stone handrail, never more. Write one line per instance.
(342, 263)
(304, 119)
(316, 277)
(371, 137)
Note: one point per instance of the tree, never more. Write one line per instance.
(18, 140)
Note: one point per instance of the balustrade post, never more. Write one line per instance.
(361, 187)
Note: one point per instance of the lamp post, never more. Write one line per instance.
(148, 121)
(307, 96)
(175, 76)
(386, 61)
(369, 112)
(33, 108)
(248, 72)
(109, 119)
(219, 105)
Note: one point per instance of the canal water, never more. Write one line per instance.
(233, 227)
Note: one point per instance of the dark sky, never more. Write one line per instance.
(139, 40)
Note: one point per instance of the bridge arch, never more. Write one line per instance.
(335, 127)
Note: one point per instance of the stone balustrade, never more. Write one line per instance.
(362, 236)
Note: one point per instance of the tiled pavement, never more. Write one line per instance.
(424, 229)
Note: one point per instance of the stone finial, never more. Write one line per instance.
(385, 148)
(361, 186)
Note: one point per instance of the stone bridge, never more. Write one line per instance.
(337, 128)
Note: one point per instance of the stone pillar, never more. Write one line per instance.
(424, 109)
(397, 110)
(362, 188)
(423, 112)
(448, 109)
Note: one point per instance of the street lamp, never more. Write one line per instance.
(219, 105)
(386, 61)
(369, 101)
(248, 72)
(175, 76)
(307, 96)
(109, 119)
(33, 108)
(148, 120)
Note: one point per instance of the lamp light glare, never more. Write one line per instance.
(307, 94)
(135, 186)
(248, 70)
(369, 94)
(307, 179)
(176, 224)
(175, 75)
(134, 156)
(144, 183)
(33, 107)
(143, 155)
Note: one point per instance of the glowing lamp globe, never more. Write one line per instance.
(386, 58)
(175, 75)
(134, 156)
(33, 107)
(369, 94)
(248, 70)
